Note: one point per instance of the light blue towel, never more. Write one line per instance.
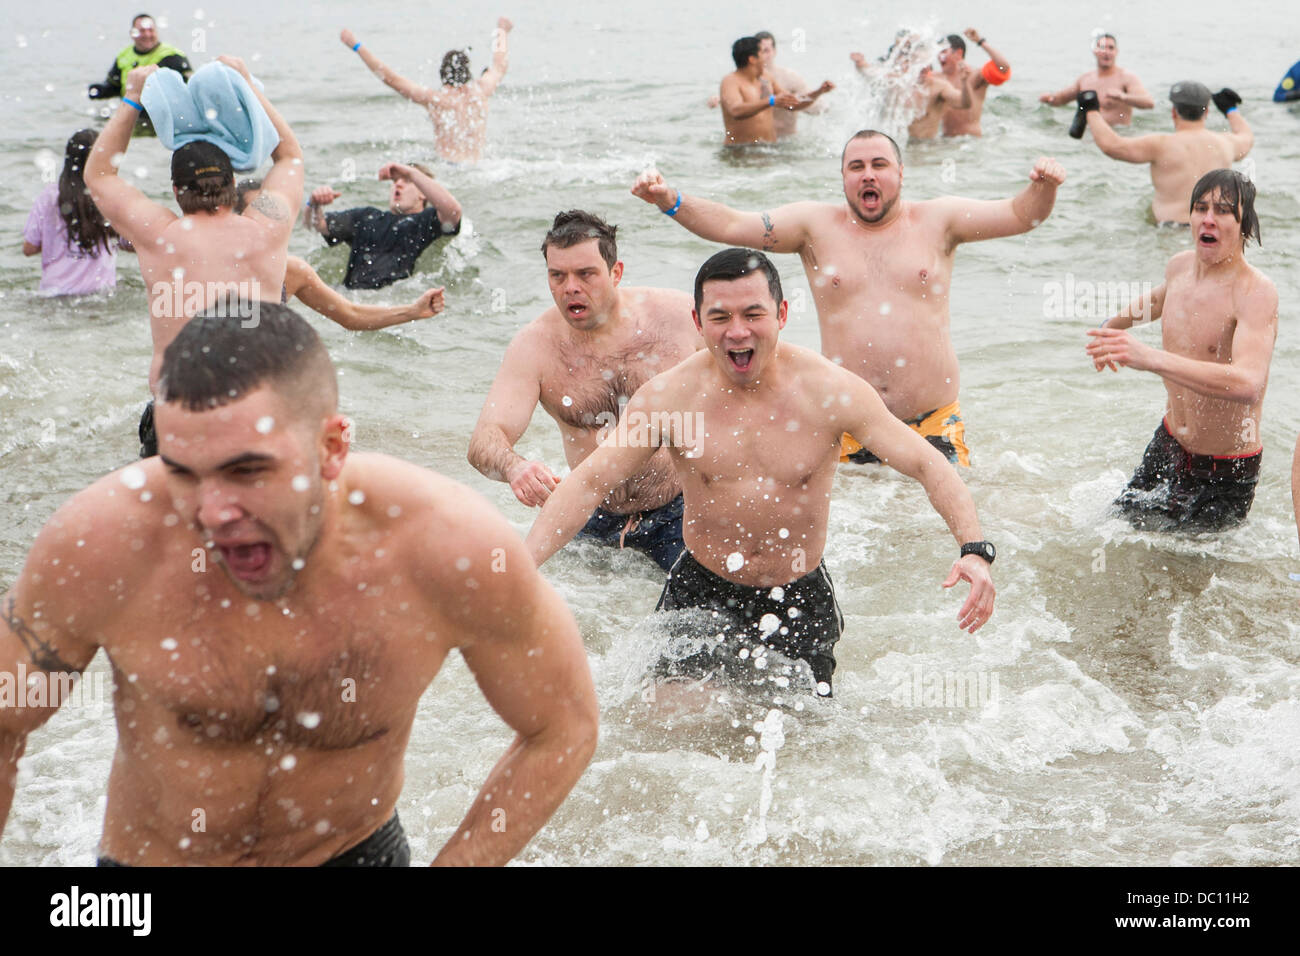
(217, 105)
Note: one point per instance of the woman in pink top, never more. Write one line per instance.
(78, 248)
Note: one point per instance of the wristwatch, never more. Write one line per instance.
(984, 549)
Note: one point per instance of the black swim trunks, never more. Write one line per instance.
(800, 620)
(1174, 490)
(387, 846)
(148, 435)
(656, 534)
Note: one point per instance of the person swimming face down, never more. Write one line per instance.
(740, 311)
(1223, 215)
(251, 437)
(872, 168)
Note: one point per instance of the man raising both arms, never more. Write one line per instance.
(582, 360)
(1119, 90)
(277, 689)
(1180, 158)
(191, 261)
(1219, 323)
(996, 71)
(880, 271)
(757, 490)
(459, 109)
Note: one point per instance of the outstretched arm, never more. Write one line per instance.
(734, 102)
(301, 280)
(1138, 149)
(782, 230)
(490, 80)
(522, 645)
(1242, 379)
(393, 80)
(1061, 97)
(970, 220)
(130, 212)
(875, 427)
(621, 455)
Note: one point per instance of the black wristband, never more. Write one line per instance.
(983, 549)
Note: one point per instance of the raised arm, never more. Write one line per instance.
(1137, 149)
(411, 90)
(505, 416)
(301, 280)
(969, 220)
(782, 230)
(807, 100)
(522, 645)
(313, 213)
(951, 96)
(130, 212)
(623, 453)
(999, 61)
(490, 80)
(1241, 379)
(280, 198)
(875, 427)
(443, 202)
(1242, 137)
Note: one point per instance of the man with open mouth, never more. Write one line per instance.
(880, 270)
(1119, 90)
(757, 482)
(583, 359)
(273, 608)
(1219, 323)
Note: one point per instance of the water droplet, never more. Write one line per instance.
(309, 719)
(777, 593)
(210, 113)
(356, 497)
(823, 688)
(792, 425)
(300, 483)
(768, 623)
(783, 533)
(265, 424)
(462, 564)
(168, 644)
(184, 843)
(297, 564)
(394, 511)
(735, 561)
(885, 308)
(133, 477)
(566, 401)
(146, 496)
(900, 361)
(288, 762)
(322, 827)
(701, 832)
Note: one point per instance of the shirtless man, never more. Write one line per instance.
(1180, 158)
(758, 491)
(458, 110)
(1120, 91)
(582, 360)
(747, 109)
(302, 282)
(931, 95)
(880, 271)
(1219, 324)
(784, 122)
(196, 259)
(966, 122)
(278, 693)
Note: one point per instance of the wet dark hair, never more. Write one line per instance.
(957, 43)
(762, 35)
(871, 134)
(743, 49)
(455, 68)
(731, 264)
(575, 226)
(1236, 189)
(1190, 112)
(216, 359)
(81, 218)
(242, 189)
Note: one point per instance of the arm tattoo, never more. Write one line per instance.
(42, 653)
(270, 208)
(768, 240)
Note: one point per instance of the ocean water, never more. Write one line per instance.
(1134, 698)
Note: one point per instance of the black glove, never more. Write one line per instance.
(100, 91)
(1087, 100)
(1226, 99)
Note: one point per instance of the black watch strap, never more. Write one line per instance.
(984, 549)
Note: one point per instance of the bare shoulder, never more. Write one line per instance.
(1260, 293)
(816, 373)
(660, 302)
(1180, 264)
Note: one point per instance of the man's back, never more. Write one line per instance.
(1182, 158)
(459, 117)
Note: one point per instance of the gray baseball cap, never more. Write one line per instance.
(1189, 93)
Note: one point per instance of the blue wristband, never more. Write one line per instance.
(676, 206)
(1229, 110)
(771, 100)
(356, 46)
(133, 103)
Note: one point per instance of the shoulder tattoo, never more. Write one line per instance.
(768, 228)
(41, 652)
(270, 208)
